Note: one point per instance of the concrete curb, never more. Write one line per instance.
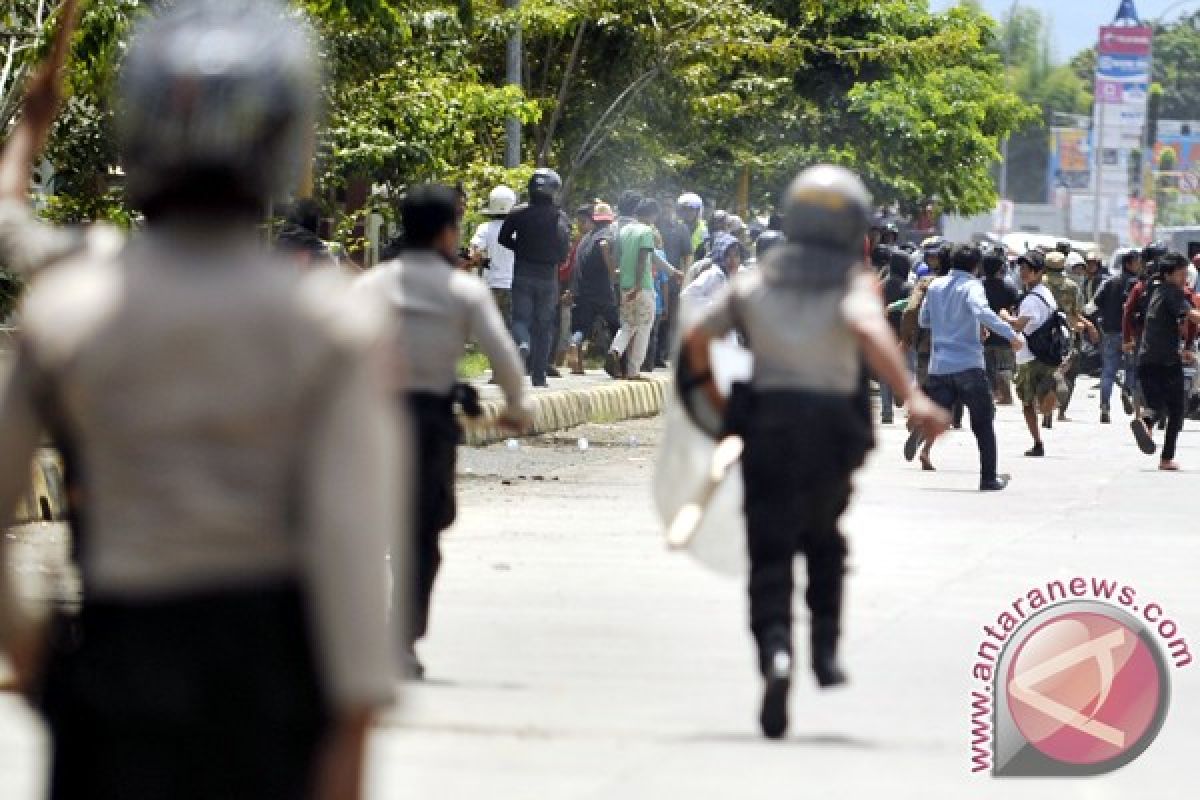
(567, 408)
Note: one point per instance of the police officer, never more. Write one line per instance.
(1070, 301)
(230, 448)
(809, 313)
(436, 310)
(539, 235)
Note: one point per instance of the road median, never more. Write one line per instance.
(580, 400)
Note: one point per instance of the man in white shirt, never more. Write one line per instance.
(497, 261)
(727, 260)
(1036, 382)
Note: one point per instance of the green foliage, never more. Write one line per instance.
(1177, 66)
(659, 94)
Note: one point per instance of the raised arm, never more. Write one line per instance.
(27, 244)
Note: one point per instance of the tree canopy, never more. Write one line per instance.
(656, 94)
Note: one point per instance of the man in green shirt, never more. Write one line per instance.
(636, 244)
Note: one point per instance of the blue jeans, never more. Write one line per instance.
(970, 389)
(1115, 359)
(533, 304)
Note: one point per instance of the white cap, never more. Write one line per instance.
(501, 201)
(690, 200)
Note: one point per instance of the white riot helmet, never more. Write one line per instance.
(220, 93)
(501, 201)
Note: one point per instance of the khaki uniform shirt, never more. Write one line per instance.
(228, 422)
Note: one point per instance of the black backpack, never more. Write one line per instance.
(1051, 343)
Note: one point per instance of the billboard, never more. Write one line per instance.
(1122, 93)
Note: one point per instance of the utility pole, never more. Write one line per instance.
(1008, 44)
(1098, 170)
(512, 125)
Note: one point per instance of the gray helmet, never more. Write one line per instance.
(224, 89)
(829, 208)
(545, 183)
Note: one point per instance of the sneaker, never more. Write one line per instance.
(612, 364)
(1142, 434)
(774, 715)
(1105, 417)
(552, 372)
(997, 484)
(1127, 402)
(1168, 466)
(1037, 451)
(912, 444)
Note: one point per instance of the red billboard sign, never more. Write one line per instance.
(1121, 41)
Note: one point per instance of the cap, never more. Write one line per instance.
(1034, 258)
(602, 212)
(1094, 255)
(1056, 261)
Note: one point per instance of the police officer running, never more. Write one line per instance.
(230, 448)
(809, 313)
(436, 309)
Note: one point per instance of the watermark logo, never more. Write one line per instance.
(1072, 680)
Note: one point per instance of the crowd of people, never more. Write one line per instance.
(608, 284)
(979, 321)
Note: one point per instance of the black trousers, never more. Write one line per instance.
(191, 698)
(1163, 388)
(437, 437)
(972, 390)
(801, 450)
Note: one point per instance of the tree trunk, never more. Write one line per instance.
(563, 91)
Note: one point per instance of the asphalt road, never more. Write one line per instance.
(572, 657)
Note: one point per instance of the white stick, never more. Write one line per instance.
(687, 521)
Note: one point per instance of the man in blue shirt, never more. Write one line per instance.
(955, 310)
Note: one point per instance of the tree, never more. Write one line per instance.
(660, 94)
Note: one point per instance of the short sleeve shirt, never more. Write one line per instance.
(499, 274)
(1167, 311)
(634, 238)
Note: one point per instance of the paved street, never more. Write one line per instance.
(573, 658)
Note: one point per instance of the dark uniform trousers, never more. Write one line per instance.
(801, 450)
(1164, 390)
(438, 435)
(185, 698)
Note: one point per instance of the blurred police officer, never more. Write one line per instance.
(230, 448)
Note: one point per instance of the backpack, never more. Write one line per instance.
(1051, 343)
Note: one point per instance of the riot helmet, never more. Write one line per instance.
(828, 207)
(544, 186)
(217, 103)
